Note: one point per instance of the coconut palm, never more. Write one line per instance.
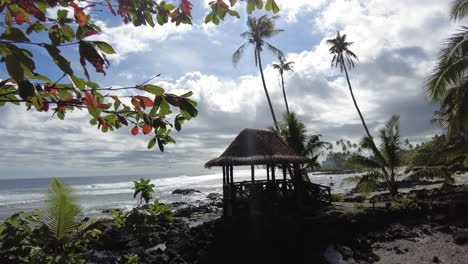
(384, 165)
(459, 10)
(294, 133)
(283, 66)
(260, 29)
(343, 58)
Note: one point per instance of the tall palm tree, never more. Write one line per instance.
(260, 29)
(343, 58)
(283, 66)
(385, 168)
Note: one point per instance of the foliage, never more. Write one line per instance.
(145, 189)
(283, 66)
(383, 164)
(131, 258)
(140, 220)
(62, 212)
(260, 29)
(24, 238)
(405, 205)
(448, 83)
(20, 237)
(337, 198)
(29, 30)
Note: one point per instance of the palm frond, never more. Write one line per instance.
(274, 49)
(431, 173)
(459, 10)
(360, 161)
(238, 53)
(62, 212)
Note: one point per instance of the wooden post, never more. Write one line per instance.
(273, 173)
(252, 168)
(268, 172)
(285, 187)
(232, 176)
(224, 175)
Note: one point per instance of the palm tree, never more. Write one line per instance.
(259, 30)
(385, 168)
(283, 66)
(344, 58)
(294, 133)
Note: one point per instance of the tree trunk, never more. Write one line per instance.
(284, 95)
(374, 147)
(266, 91)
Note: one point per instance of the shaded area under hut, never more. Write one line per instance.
(284, 187)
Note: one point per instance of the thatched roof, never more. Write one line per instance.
(257, 147)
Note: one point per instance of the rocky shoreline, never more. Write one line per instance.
(340, 233)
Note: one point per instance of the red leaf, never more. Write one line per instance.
(135, 103)
(32, 9)
(126, 20)
(50, 88)
(89, 33)
(122, 119)
(147, 129)
(110, 7)
(45, 106)
(186, 7)
(103, 106)
(135, 131)
(91, 99)
(222, 4)
(103, 123)
(84, 101)
(145, 101)
(19, 18)
(80, 15)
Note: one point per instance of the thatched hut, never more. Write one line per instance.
(253, 147)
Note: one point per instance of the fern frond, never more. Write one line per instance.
(62, 212)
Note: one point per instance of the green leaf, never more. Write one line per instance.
(164, 109)
(152, 143)
(95, 112)
(14, 34)
(209, 17)
(187, 94)
(14, 68)
(79, 82)
(154, 89)
(161, 145)
(259, 4)
(61, 115)
(269, 5)
(149, 18)
(62, 14)
(104, 47)
(275, 7)
(250, 7)
(61, 62)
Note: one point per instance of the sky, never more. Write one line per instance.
(396, 41)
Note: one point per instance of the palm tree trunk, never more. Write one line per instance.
(374, 147)
(284, 94)
(357, 107)
(266, 91)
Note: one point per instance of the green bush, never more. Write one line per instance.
(337, 198)
(405, 204)
(139, 221)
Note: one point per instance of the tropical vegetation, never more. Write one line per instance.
(294, 133)
(259, 30)
(385, 165)
(283, 66)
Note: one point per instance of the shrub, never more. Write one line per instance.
(337, 198)
(405, 204)
(139, 221)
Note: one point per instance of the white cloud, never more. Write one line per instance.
(128, 39)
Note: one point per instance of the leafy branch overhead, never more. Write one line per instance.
(148, 109)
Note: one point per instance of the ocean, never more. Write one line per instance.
(110, 192)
